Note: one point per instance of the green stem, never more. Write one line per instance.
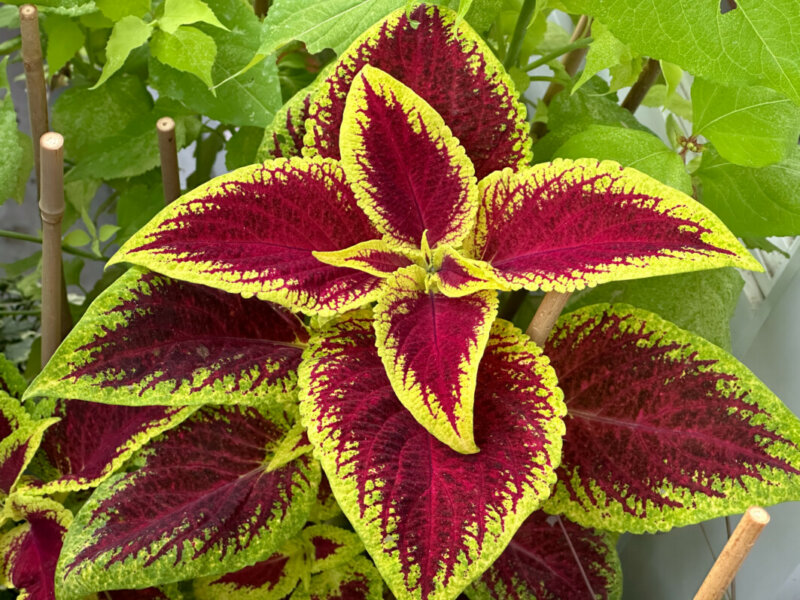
(525, 16)
(105, 204)
(556, 53)
(37, 240)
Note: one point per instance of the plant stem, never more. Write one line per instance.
(571, 62)
(260, 7)
(647, 78)
(546, 316)
(544, 78)
(543, 60)
(37, 240)
(525, 16)
(15, 313)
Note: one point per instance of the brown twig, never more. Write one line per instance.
(571, 61)
(260, 7)
(546, 316)
(733, 554)
(51, 208)
(647, 78)
(169, 159)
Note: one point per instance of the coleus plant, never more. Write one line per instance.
(222, 433)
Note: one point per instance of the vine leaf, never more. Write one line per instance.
(756, 43)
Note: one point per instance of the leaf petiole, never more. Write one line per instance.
(543, 60)
(14, 235)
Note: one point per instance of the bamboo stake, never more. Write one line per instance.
(169, 159)
(51, 208)
(733, 554)
(546, 316)
(34, 78)
(37, 111)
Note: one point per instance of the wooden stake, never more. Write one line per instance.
(37, 111)
(169, 159)
(34, 78)
(546, 316)
(733, 554)
(51, 207)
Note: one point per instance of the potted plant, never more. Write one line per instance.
(301, 385)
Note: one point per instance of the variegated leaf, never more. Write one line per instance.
(273, 578)
(664, 429)
(552, 560)
(374, 256)
(432, 519)
(330, 546)
(202, 504)
(326, 506)
(253, 232)
(357, 580)
(91, 441)
(410, 175)
(445, 62)
(567, 225)
(20, 436)
(284, 137)
(149, 339)
(456, 275)
(11, 380)
(430, 345)
(167, 592)
(29, 552)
